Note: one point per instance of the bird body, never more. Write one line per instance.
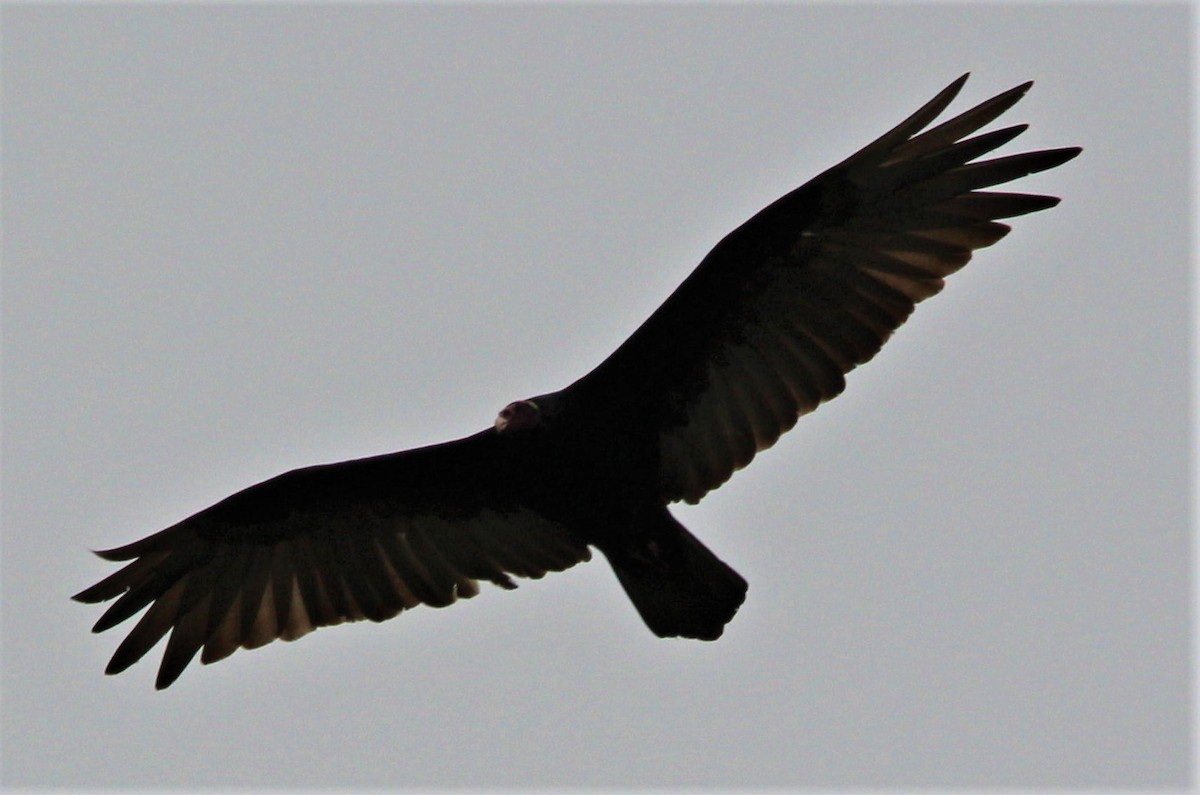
(762, 332)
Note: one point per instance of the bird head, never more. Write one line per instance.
(518, 416)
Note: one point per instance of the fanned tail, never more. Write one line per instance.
(679, 587)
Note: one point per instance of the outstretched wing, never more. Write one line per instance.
(327, 544)
(765, 328)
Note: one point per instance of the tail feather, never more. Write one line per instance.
(679, 587)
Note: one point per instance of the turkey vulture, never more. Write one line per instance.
(763, 331)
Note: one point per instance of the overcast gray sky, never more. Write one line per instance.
(241, 240)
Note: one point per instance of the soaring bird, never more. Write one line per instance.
(760, 333)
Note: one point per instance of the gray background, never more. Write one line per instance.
(240, 240)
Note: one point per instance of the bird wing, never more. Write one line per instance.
(326, 544)
(765, 328)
